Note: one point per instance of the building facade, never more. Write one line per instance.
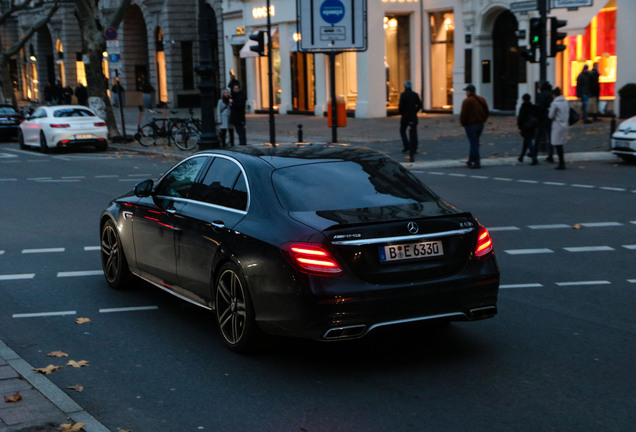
(439, 45)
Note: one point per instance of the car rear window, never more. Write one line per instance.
(347, 185)
(7, 111)
(73, 112)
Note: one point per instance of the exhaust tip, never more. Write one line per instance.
(348, 332)
(482, 312)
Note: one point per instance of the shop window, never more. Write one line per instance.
(263, 75)
(442, 59)
(596, 45)
(397, 61)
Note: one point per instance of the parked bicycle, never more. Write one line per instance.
(164, 130)
(187, 136)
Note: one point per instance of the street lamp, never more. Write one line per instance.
(208, 138)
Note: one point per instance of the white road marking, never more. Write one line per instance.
(528, 285)
(616, 189)
(630, 247)
(601, 224)
(528, 181)
(504, 228)
(44, 250)
(479, 177)
(553, 183)
(553, 226)
(106, 176)
(502, 179)
(584, 283)
(44, 314)
(80, 273)
(39, 178)
(583, 186)
(631, 281)
(129, 309)
(589, 249)
(17, 276)
(91, 248)
(8, 179)
(528, 251)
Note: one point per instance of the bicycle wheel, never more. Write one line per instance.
(186, 138)
(146, 135)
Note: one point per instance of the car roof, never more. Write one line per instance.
(293, 154)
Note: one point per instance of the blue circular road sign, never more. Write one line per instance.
(332, 11)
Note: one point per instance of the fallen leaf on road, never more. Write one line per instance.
(13, 399)
(57, 354)
(77, 388)
(77, 364)
(67, 427)
(82, 320)
(47, 370)
(577, 226)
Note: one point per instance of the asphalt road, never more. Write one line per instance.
(558, 357)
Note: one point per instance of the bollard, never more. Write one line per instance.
(612, 129)
(300, 132)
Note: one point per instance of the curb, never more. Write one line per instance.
(50, 391)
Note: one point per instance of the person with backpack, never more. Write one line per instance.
(527, 124)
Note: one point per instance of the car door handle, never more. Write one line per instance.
(171, 210)
(218, 224)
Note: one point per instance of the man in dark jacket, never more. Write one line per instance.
(410, 105)
(237, 113)
(527, 124)
(473, 117)
(583, 84)
(82, 94)
(544, 124)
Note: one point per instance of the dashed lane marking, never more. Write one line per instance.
(528, 285)
(584, 283)
(44, 250)
(72, 312)
(589, 249)
(11, 277)
(80, 273)
(128, 309)
(528, 251)
(44, 314)
(552, 226)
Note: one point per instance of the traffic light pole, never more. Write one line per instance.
(543, 48)
(270, 75)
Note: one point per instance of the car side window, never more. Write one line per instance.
(224, 185)
(39, 113)
(178, 183)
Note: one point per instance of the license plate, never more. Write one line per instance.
(83, 136)
(410, 251)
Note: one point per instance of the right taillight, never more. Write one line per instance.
(312, 258)
(484, 243)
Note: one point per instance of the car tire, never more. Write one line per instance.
(43, 145)
(234, 310)
(21, 140)
(114, 262)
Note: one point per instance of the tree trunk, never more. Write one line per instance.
(7, 84)
(97, 86)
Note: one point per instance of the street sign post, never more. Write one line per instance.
(332, 27)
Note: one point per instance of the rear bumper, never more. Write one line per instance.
(469, 296)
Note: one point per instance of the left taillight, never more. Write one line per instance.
(484, 245)
(312, 258)
(99, 124)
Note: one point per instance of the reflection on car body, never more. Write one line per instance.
(624, 140)
(293, 240)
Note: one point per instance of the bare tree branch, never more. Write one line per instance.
(19, 44)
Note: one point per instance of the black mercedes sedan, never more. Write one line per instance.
(10, 120)
(327, 242)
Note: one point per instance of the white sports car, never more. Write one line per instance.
(624, 140)
(63, 126)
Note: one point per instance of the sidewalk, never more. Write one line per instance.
(442, 141)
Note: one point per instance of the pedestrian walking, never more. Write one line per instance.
(527, 124)
(583, 91)
(117, 91)
(223, 118)
(472, 117)
(237, 113)
(559, 114)
(82, 94)
(58, 93)
(67, 95)
(49, 93)
(595, 91)
(544, 124)
(409, 105)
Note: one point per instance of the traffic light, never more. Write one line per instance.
(259, 37)
(529, 54)
(556, 36)
(537, 32)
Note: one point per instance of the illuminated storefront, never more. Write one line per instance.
(596, 45)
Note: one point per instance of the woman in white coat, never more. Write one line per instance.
(559, 113)
(223, 117)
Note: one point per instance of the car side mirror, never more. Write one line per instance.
(144, 188)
